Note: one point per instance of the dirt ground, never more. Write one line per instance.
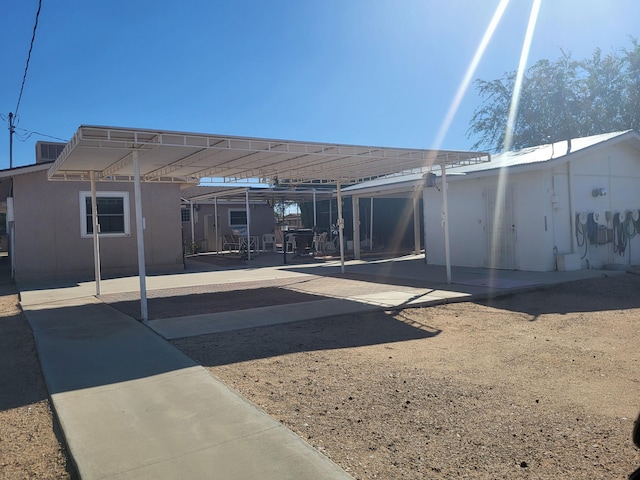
(542, 385)
(29, 447)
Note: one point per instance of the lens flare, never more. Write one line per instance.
(498, 213)
(471, 71)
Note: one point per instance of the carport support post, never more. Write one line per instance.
(445, 219)
(355, 203)
(246, 194)
(140, 237)
(215, 212)
(416, 223)
(371, 227)
(315, 214)
(340, 227)
(96, 230)
(193, 228)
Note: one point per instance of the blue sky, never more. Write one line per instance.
(370, 72)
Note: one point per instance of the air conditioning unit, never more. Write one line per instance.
(568, 262)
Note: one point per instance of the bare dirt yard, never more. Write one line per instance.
(29, 445)
(543, 384)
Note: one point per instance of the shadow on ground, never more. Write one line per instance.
(204, 303)
(618, 292)
(329, 333)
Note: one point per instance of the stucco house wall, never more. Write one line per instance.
(260, 215)
(48, 240)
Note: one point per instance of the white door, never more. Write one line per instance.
(210, 233)
(501, 229)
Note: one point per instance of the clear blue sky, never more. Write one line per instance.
(371, 72)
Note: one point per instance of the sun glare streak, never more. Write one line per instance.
(498, 224)
(517, 88)
(464, 85)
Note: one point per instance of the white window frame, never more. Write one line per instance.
(237, 210)
(188, 210)
(83, 214)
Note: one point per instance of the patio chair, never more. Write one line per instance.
(270, 240)
(290, 242)
(319, 242)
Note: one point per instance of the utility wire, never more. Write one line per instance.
(28, 133)
(26, 68)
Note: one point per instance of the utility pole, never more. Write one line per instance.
(11, 131)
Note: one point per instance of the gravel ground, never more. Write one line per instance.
(539, 385)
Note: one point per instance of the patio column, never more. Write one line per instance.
(315, 212)
(246, 193)
(445, 221)
(371, 227)
(96, 231)
(215, 212)
(416, 223)
(140, 237)
(355, 203)
(340, 227)
(193, 227)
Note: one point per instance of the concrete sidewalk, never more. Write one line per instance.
(132, 406)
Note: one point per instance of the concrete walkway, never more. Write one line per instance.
(132, 406)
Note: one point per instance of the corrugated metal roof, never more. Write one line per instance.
(539, 156)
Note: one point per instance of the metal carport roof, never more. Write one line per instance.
(167, 156)
(97, 153)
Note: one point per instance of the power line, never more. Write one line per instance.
(28, 133)
(26, 68)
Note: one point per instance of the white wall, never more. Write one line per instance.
(469, 238)
(617, 169)
(542, 211)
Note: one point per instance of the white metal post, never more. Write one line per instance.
(215, 212)
(330, 220)
(355, 203)
(572, 214)
(140, 237)
(445, 219)
(96, 231)
(193, 228)
(416, 223)
(371, 227)
(246, 193)
(340, 228)
(315, 214)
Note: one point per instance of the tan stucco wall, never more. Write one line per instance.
(48, 240)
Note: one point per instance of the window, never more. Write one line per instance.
(185, 214)
(113, 214)
(237, 218)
